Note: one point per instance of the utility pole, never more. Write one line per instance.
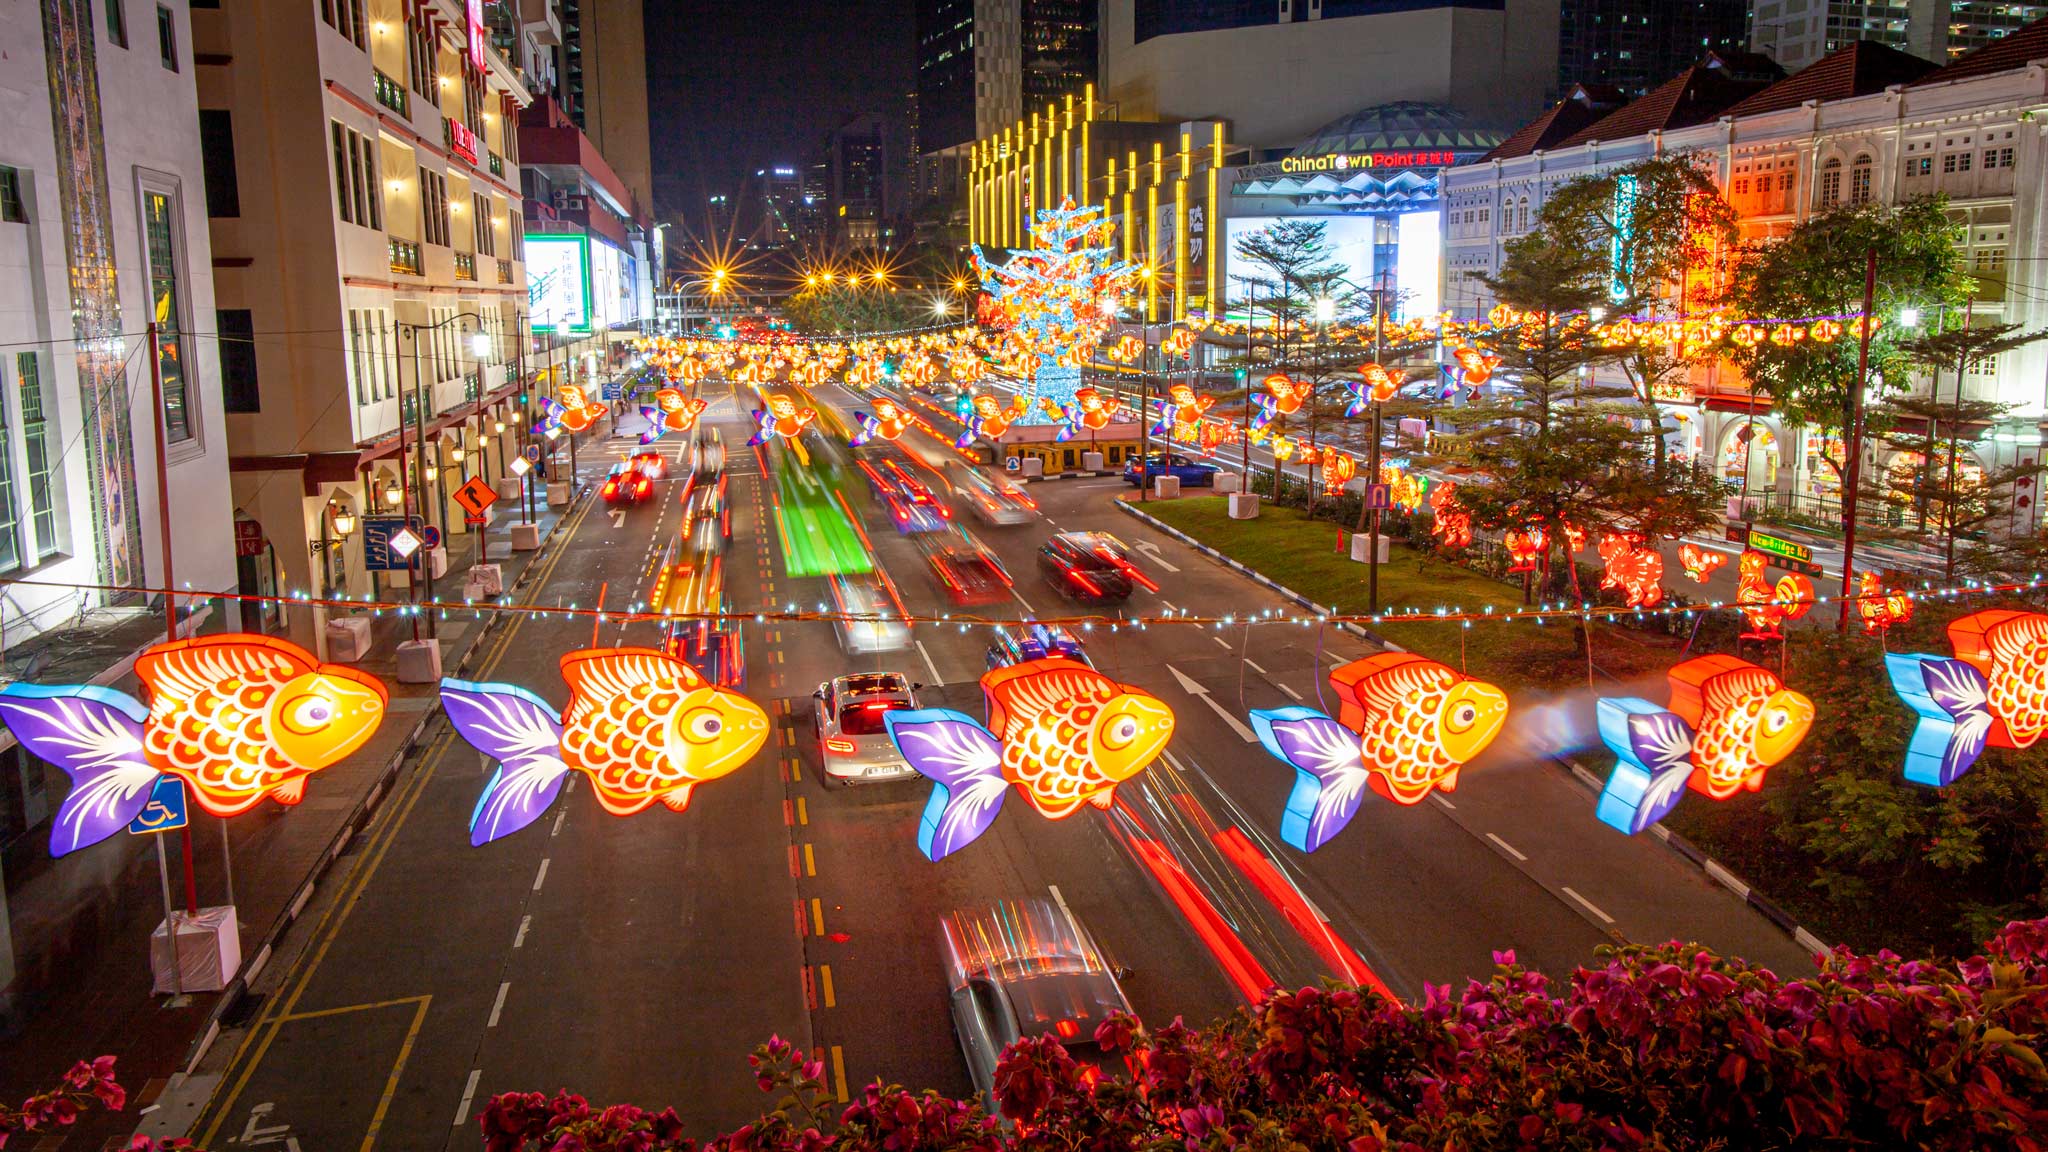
(1244, 431)
(1948, 506)
(1372, 455)
(1852, 468)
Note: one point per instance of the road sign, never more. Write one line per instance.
(532, 453)
(249, 539)
(430, 537)
(404, 543)
(1778, 552)
(1379, 497)
(165, 811)
(378, 555)
(475, 496)
(612, 391)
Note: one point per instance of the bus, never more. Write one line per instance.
(692, 584)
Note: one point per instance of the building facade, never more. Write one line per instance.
(603, 69)
(1635, 45)
(587, 258)
(1798, 32)
(1864, 123)
(375, 227)
(1278, 70)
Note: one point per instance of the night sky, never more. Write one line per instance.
(734, 86)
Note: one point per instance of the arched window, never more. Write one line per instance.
(1859, 179)
(1522, 214)
(1831, 182)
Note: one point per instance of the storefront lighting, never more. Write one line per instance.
(392, 494)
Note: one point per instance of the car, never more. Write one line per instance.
(707, 516)
(912, 507)
(1014, 644)
(707, 455)
(691, 584)
(993, 498)
(853, 741)
(1091, 567)
(966, 569)
(650, 464)
(1191, 473)
(869, 596)
(624, 485)
(1020, 970)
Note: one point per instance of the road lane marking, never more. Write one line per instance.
(1192, 688)
(1168, 605)
(937, 680)
(559, 817)
(1506, 847)
(1446, 803)
(1152, 550)
(1589, 906)
(1023, 601)
(1220, 640)
(817, 916)
(1254, 667)
(825, 981)
(519, 940)
(619, 518)
(1291, 693)
(468, 1094)
(541, 877)
(412, 1034)
(803, 812)
(498, 1005)
(839, 1072)
(810, 862)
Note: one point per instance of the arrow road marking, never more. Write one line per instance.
(1152, 550)
(1193, 689)
(618, 517)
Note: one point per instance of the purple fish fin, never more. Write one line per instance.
(1329, 772)
(867, 425)
(967, 435)
(964, 761)
(518, 730)
(1953, 702)
(1653, 760)
(765, 425)
(656, 424)
(95, 735)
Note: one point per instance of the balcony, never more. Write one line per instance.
(504, 271)
(392, 95)
(405, 257)
(465, 266)
(497, 164)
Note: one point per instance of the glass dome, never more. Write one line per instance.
(1402, 124)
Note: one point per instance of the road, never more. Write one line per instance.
(641, 959)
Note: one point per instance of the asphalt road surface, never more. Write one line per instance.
(642, 959)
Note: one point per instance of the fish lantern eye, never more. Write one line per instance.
(702, 725)
(307, 716)
(1119, 731)
(1462, 717)
(1776, 720)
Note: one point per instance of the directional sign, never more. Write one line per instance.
(1778, 552)
(1379, 497)
(475, 496)
(165, 811)
(378, 554)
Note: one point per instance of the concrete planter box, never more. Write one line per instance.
(419, 662)
(1228, 482)
(1166, 487)
(526, 537)
(1033, 467)
(1361, 545)
(1091, 461)
(510, 488)
(483, 582)
(348, 639)
(558, 494)
(1244, 505)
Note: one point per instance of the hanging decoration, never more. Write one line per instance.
(1728, 722)
(1059, 731)
(1768, 606)
(1089, 409)
(887, 423)
(1338, 469)
(1699, 563)
(1181, 408)
(990, 420)
(783, 418)
(643, 725)
(1637, 570)
(235, 717)
(1878, 608)
(671, 412)
(572, 409)
(1126, 350)
(1405, 727)
(1282, 397)
(1054, 300)
(1994, 693)
(1475, 367)
(1179, 342)
(1526, 547)
(1449, 522)
(1375, 385)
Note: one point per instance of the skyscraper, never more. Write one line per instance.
(1798, 32)
(1636, 45)
(981, 63)
(603, 86)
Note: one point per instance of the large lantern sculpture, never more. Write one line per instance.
(1993, 693)
(1055, 300)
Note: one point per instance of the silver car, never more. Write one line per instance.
(1023, 969)
(853, 742)
(866, 596)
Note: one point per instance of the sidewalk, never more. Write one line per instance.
(90, 992)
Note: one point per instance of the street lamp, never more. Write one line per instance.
(941, 307)
(479, 342)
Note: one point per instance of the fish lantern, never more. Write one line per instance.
(1729, 720)
(1699, 563)
(990, 420)
(1993, 693)
(1182, 409)
(1282, 396)
(1405, 727)
(1474, 366)
(887, 423)
(781, 418)
(1179, 343)
(1089, 410)
(1449, 522)
(1058, 731)
(1338, 469)
(643, 725)
(691, 370)
(1764, 605)
(573, 409)
(1878, 608)
(235, 718)
(1525, 546)
(671, 412)
(1636, 570)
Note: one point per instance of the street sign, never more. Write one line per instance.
(378, 554)
(165, 811)
(612, 391)
(520, 467)
(430, 537)
(475, 496)
(1778, 552)
(404, 542)
(532, 453)
(1379, 497)
(249, 539)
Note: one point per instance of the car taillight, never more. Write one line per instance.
(835, 744)
(611, 487)
(1067, 1029)
(1082, 579)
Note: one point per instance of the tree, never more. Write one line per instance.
(1818, 269)
(842, 309)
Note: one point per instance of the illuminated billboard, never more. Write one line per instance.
(1418, 264)
(1413, 265)
(1349, 239)
(558, 280)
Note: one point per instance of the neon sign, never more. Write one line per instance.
(474, 14)
(1341, 160)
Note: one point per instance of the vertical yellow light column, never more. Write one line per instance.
(1180, 231)
(1152, 233)
(1214, 295)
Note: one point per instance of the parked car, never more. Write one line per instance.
(1016, 643)
(853, 742)
(868, 595)
(1192, 473)
(624, 485)
(1091, 567)
(1021, 969)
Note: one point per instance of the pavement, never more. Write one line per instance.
(642, 959)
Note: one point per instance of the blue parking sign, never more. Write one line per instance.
(165, 811)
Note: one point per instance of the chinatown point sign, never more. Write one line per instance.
(1355, 162)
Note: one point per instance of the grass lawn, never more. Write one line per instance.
(1292, 550)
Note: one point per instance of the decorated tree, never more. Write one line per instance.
(1053, 302)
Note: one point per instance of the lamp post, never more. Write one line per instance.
(479, 345)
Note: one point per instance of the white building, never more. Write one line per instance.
(1866, 122)
(102, 227)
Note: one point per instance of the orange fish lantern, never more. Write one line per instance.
(1375, 385)
(1525, 547)
(1182, 409)
(783, 418)
(1405, 727)
(1179, 343)
(235, 718)
(1338, 469)
(672, 412)
(690, 370)
(1636, 570)
(1728, 722)
(1764, 605)
(1699, 563)
(990, 420)
(643, 725)
(1878, 608)
(572, 409)
(1059, 732)
(1090, 410)
(1994, 693)
(1126, 350)
(1449, 522)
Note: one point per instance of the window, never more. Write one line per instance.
(355, 177)
(369, 354)
(420, 43)
(217, 155)
(1859, 180)
(117, 23)
(1924, 166)
(1997, 158)
(348, 18)
(1990, 261)
(433, 207)
(480, 222)
(1831, 182)
(10, 520)
(167, 37)
(35, 437)
(160, 224)
(1785, 181)
(11, 208)
(237, 335)
(1742, 186)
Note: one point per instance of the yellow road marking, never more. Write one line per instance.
(825, 979)
(839, 1072)
(348, 1008)
(803, 814)
(817, 916)
(810, 862)
(412, 1034)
